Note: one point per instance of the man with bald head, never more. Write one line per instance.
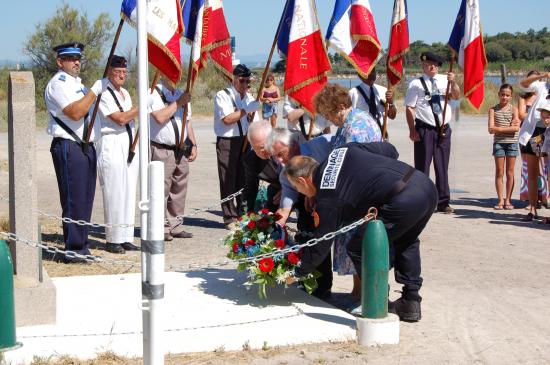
(258, 165)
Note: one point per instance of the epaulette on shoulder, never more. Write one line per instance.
(61, 77)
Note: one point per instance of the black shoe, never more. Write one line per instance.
(182, 234)
(445, 209)
(130, 246)
(408, 310)
(114, 248)
(322, 294)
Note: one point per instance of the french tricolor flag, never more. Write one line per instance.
(307, 63)
(399, 42)
(466, 41)
(352, 33)
(216, 41)
(164, 26)
(192, 15)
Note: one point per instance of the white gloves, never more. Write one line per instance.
(252, 106)
(100, 86)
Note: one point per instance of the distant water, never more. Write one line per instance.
(354, 81)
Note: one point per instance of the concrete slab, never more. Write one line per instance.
(205, 310)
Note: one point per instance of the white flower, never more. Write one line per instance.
(281, 279)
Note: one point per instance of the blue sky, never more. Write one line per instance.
(253, 22)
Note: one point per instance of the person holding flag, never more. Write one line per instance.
(232, 106)
(372, 98)
(68, 102)
(166, 107)
(427, 124)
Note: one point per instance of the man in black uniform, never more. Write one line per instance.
(354, 178)
(258, 165)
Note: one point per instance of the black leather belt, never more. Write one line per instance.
(398, 186)
(163, 146)
(421, 124)
(59, 139)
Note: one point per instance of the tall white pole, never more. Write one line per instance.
(153, 287)
(143, 82)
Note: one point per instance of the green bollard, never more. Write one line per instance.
(7, 310)
(374, 275)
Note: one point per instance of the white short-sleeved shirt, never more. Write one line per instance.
(415, 98)
(62, 90)
(541, 89)
(223, 106)
(318, 127)
(164, 133)
(359, 102)
(108, 106)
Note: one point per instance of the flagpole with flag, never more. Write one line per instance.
(398, 46)
(352, 33)
(466, 43)
(307, 61)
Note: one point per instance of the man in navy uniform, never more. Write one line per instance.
(354, 178)
(428, 128)
(68, 103)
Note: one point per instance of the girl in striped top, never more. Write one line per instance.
(504, 125)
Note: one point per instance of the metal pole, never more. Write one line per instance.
(153, 287)
(7, 309)
(143, 83)
(374, 275)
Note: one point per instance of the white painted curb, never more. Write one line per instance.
(382, 331)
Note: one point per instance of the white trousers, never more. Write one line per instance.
(118, 182)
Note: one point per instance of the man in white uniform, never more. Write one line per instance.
(68, 103)
(166, 105)
(231, 108)
(118, 178)
(298, 121)
(372, 98)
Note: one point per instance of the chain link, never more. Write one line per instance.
(69, 254)
(81, 222)
(192, 266)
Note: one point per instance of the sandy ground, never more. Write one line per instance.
(486, 278)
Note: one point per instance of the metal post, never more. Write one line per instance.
(374, 276)
(7, 309)
(152, 287)
(503, 73)
(39, 252)
(143, 118)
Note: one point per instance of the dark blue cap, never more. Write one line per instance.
(118, 61)
(241, 71)
(429, 56)
(69, 49)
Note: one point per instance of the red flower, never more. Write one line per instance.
(249, 243)
(280, 244)
(265, 211)
(251, 225)
(263, 223)
(277, 216)
(293, 258)
(266, 264)
(249, 213)
(235, 247)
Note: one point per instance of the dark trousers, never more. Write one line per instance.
(305, 224)
(404, 217)
(431, 146)
(230, 174)
(76, 178)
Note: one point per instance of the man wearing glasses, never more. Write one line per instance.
(117, 178)
(68, 103)
(428, 128)
(232, 106)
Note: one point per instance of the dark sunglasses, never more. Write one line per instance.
(245, 81)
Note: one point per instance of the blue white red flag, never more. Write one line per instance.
(466, 42)
(192, 14)
(307, 63)
(399, 42)
(284, 33)
(164, 27)
(216, 41)
(352, 33)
